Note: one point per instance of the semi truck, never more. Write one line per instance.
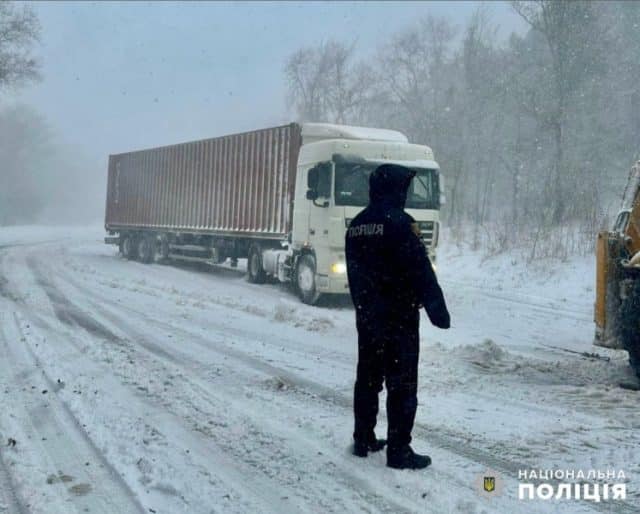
(281, 197)
(617, 305)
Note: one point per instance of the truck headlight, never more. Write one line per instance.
(339, 268)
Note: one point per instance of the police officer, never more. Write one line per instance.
(390, 278)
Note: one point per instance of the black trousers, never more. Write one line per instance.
(387, 352)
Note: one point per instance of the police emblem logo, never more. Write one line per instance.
(489, 484)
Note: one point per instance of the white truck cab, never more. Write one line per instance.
(332, 186)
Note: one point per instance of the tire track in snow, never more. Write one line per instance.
(68, 313)
(234, 474)
(36, 243)
(533, 301)
(9, 501)
(367, 493)
(433, 434)
(65, 311)
(254, 335)
(295, 347)
(4, 283)
(268, 314)
(69, 446)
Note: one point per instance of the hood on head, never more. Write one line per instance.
(389, 183)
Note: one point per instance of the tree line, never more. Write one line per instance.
(40, 179)
(19, 194)
(534, 134)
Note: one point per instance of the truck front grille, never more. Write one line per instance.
(429, 232)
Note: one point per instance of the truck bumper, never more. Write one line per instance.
(332, 284)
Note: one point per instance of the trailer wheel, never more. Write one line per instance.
(306, 280)
(630, 326)
(146, 248)
(255, 269)
(128, 247)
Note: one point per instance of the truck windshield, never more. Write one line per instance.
(352, 186)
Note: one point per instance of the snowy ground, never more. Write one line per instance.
(152, 388)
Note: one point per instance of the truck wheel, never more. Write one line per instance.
(306, 280)
(128, 247)
(146, 248)
(630, 326)
(255, 269)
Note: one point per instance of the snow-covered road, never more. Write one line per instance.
(151, 388)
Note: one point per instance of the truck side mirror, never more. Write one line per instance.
(312, 194)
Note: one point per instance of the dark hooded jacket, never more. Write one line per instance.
(387, 264)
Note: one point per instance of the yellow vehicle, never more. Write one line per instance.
(617, 307)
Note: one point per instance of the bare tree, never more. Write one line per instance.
(19, 32)
(573, 39)
(533, 135)
(306, 83)
(415, 73)
(326, 85)
(481, 117)
(24, 146)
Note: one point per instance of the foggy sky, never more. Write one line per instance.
(123, 76)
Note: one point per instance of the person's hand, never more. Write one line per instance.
(443, 321)
(439, 316)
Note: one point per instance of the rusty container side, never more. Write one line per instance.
(241, 184)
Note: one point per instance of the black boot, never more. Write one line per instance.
(361, 447)
(405, 458)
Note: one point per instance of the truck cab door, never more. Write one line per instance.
(320, 195)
